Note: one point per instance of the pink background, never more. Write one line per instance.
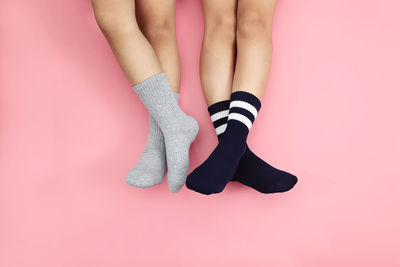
(71, 127)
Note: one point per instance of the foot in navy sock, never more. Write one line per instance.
(220, 167)
(252, 171)
(259, 175)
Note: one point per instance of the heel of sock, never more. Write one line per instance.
(191, 128)
(195, 129)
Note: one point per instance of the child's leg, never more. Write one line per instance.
(254, 50)
(156, 19)
(232, 159)
(137, 58)
(218, 50)
(134, 53)
(254, 46)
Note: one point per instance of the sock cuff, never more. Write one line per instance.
(156, 94)
(155, 90)
(246, 97)
(219, 115)
(244, 108)
(152, 86)
(153, 81)
(218, 107)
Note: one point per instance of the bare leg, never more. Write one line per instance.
(174, 131)
(254, 46)
(218, 50)
(232, 159)
(156, 19)
(134, 53)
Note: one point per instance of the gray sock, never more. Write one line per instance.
(179, 129)
(152, 165)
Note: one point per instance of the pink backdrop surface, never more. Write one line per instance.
(71, 127)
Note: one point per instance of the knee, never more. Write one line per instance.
(221, 28)
(254, 24)
(114, 23)
(159, 30)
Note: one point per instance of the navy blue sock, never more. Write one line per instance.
(252, 170)
(220, 167)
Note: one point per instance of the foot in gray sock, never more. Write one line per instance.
(179, 130)
(152, 165)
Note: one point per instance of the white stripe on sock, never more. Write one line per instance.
(239, 117)
(244, 105)
(219, 115)
(221, 129)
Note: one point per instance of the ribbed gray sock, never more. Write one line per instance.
(179, 129)
(152, 165)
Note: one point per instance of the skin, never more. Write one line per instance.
(141, 35)
(156, 19)
(237, 47)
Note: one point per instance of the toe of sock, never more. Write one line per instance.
(287, 182)
(175, 188)
(196, 184)
(142, 180)
(176, 177)
(174, 185)
(192, 184)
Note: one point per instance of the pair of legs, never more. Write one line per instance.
(235, 65)
(141, 34)
(237, 47)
